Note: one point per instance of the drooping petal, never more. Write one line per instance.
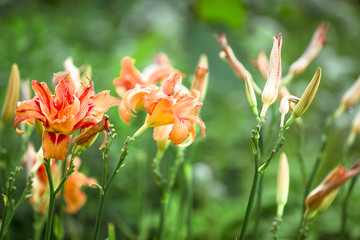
(27, 110)
(55, 145)
(180, 131)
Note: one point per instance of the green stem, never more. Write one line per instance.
(106, 183)
(344, 207)
(99, 213)
(303, 230)
(328, 123)
(9, 208)
(279, 144)
(256, 152)
(52, 199)
(189, 197)
(25, 192)
(275, 226)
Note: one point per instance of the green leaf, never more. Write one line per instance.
(58, 229)
(6, 200)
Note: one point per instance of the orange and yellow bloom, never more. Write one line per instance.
(165, 105)
(62, 113)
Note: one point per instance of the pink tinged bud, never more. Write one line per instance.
(352, 95)
(262, 64)
(271, 88)
(12, 96)
(228, 55)
(317, 42)
(282, 184)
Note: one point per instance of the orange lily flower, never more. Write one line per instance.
(165, 105)
(74, 197)
(63, 113)
(130, 76)
(335, 179)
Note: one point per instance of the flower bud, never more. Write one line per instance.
(271, 88)
(262, 64)
(282, 185)
(251, 97)
(356, 123)
(228, 55)
(12, 95)
(201, 78)
(352, 95)
(306, 98)
(318, 40)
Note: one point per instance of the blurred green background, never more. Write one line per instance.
(40, 35)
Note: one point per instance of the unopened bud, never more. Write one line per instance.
(356, 124)
(282, 184)
(201, 78)
(318, 40)
(271, 88)
(262, 64)
(251, 97)
(306, 98)
(12, 95)
(352, 95)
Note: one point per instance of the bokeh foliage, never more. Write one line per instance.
(40, 35)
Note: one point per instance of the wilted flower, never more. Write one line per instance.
(88, 137)
(167, 105)
(285, 105)
(11, 97)
(63, 113)
(321, 197)
(271, 88)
